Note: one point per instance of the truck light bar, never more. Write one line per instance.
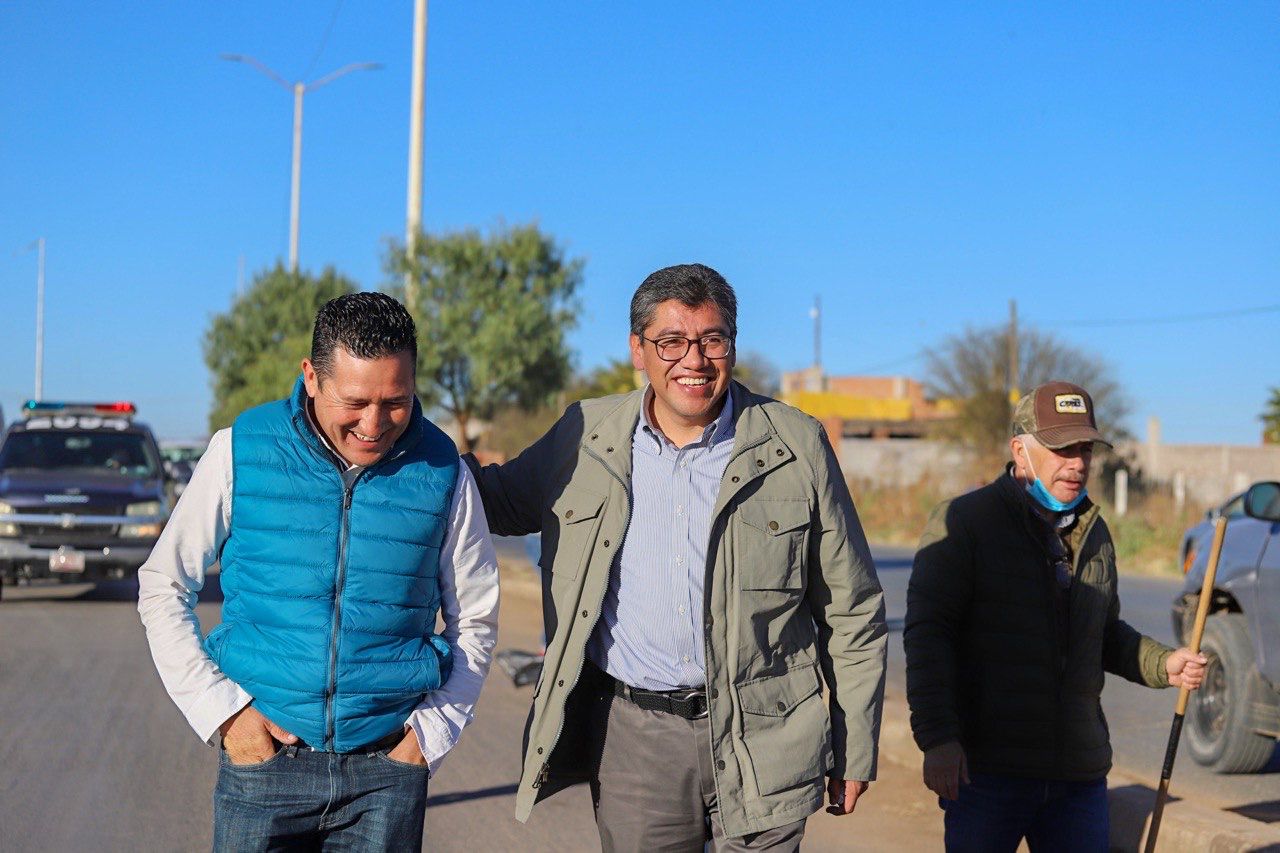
(37, 407)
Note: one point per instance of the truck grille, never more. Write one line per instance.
(52, 536)
(78, 509)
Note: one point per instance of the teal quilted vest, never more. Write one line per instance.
(330, 596)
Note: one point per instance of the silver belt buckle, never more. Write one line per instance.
(700, 695)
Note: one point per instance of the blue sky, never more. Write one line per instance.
(917, 165)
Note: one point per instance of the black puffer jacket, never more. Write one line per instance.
(987, 662)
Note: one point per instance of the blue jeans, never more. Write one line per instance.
(304, 800)
(994, 813)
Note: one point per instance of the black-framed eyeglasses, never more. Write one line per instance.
(675, 347)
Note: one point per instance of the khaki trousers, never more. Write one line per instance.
(655, 790)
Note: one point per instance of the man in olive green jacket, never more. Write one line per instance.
(782, 597)
(1012, 619)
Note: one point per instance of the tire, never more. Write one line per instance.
(1219, 721)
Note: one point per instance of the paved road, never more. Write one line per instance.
(93, 754)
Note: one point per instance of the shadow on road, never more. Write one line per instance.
(1268, 812)
(478, 794)
(125, 591)
(888, 564)
(1129, 828)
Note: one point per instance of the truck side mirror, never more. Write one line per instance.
(1262, 501)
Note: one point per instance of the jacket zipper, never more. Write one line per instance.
(340, 579)
(544, 771)
(331, 688)
(1060, 747)
(706, 584)
(710, 564)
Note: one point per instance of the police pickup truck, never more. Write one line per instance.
(83, 492)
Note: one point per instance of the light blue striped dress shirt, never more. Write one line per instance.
(650, 630)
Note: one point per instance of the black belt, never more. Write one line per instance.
(689, 703)
(388, 742)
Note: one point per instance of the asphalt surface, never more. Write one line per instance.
(94, 755)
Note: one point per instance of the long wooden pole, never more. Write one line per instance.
(1175, 731)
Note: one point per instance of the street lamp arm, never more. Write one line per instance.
(250, 61)
(343, 71)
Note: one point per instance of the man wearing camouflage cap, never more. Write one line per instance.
(1012, 620)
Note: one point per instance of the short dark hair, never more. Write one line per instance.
(692, 285)
(367, 325)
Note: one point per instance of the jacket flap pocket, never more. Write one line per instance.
(775, 516)
(777, 695)
(577, 505)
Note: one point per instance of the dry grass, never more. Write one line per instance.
(895, 516)
(1147, 538)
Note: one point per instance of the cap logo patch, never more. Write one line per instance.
(1070, 404)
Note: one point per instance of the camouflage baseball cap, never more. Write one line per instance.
(1058, 414)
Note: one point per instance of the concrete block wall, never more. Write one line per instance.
(1209, 473)
(903, 463)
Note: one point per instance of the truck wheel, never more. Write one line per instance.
(1219, 723)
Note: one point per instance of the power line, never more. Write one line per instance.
(324, 42)
(897, 362)
(1131, 321)
(1173, 318)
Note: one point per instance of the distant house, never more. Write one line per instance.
(866, 406)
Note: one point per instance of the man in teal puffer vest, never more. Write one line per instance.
(344, 524)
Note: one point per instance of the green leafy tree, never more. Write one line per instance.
(1271, 419)
(616, 376)
(972, 369)
(254, 349)
(492, 314)
(758, 373)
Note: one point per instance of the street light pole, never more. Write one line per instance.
(295, 185)
(299, 89)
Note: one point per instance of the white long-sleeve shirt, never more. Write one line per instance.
(168, 584)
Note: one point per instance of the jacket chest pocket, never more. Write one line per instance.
(577, 520)
(772, 538)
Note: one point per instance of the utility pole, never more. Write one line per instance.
(40, 321)
(417, 97)
(1012, 384)
(816, 313)
(298, 89)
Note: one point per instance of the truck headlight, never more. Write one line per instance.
(142, 531)
(7, 528)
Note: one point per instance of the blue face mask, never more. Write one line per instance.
(1041, 495)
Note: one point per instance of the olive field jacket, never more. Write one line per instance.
(792, 603)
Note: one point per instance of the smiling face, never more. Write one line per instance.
(1064, 472)
(687, 393)
(362, 405)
